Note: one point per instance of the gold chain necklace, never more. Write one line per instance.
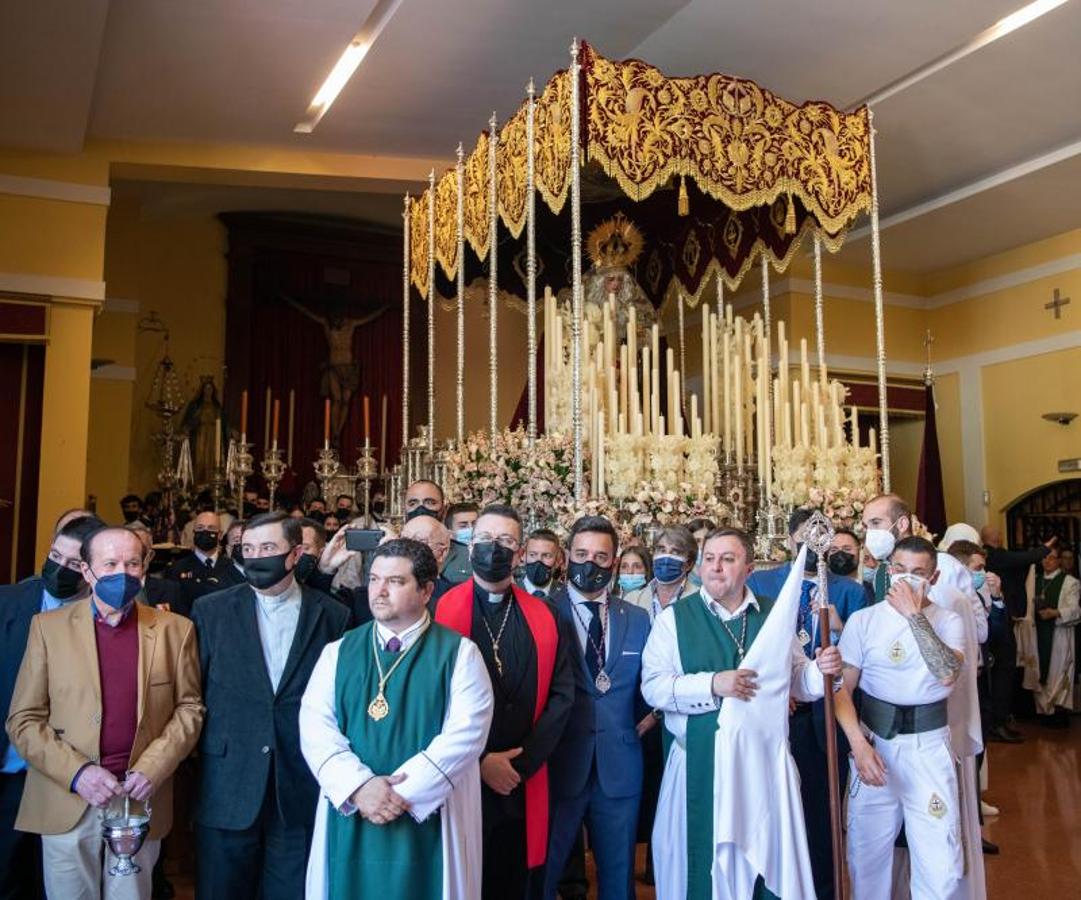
(739, 642)
(379, 709)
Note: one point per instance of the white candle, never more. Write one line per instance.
(707, 407)
(737, 399)
(727, 395)
(647, 384)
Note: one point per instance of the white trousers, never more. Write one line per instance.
(921, 791)
(77, 864)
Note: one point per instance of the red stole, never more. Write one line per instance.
(455, 611)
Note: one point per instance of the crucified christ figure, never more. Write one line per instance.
(341, 375)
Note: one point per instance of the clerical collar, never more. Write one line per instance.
(749, 600)
(291, 593)
(407, 637)
(578, 598)
(487, 596)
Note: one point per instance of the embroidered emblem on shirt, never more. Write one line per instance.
(936, 807)
(897, 653)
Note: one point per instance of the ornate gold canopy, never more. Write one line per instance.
(738, 142)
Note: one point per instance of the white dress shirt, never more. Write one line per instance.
(277, 617)
(583, 615)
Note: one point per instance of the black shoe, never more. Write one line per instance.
(1002, 736)
(1013, 732)
(989, 849)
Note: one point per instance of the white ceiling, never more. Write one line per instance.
(244, 71)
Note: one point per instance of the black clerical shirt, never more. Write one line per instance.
(516, 689)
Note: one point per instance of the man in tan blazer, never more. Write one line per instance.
(107, 703)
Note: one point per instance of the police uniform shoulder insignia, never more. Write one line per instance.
(936, 807)
(897, 652)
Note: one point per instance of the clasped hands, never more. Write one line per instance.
(742, 684)
(378, 802)
(98, 786)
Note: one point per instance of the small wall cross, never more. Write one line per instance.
(1057, 303)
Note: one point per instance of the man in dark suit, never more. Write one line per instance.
(596, 767)
(258, 642)
(157, 591)
(199, 572)
(61, 582)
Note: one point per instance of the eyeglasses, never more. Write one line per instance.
(509, 541)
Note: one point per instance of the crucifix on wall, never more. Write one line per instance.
(1056, 304)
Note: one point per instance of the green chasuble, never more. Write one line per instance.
(705, 646)
(402, 859)
(1047, 594)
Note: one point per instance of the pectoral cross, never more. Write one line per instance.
(1057, 303)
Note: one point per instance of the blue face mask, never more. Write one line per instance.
(118, 589)
(464, 535)
(979, 579)
(632, 582)
(668, 569)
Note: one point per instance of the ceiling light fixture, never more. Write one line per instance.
(347, 64)
(1004, 26)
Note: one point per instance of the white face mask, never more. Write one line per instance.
(879, 542)
(915, 581)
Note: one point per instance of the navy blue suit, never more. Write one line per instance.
(20, 852)
(807, 726)
(595, 772)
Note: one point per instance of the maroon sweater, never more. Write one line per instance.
(118, 665)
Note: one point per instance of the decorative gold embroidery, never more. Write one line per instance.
(937, 807)
(511, 163)
(897, 653)
(446, 223)
(476, 197)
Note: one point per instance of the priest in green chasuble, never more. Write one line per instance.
(692, 668)
(392, 724)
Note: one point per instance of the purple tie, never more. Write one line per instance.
(394, 645)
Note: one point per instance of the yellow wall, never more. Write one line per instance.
(1022, 448)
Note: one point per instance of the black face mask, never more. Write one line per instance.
(60, 581)
(265, 571)
(237, 554)
(378, 506)
(492, 561)
(130, 515)
(421, 511)
(811, 563)
(305, 566)
(841, 562)
(588, 577)
(344, 512)
(207, 541)
(538, 573)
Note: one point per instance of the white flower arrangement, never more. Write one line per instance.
(836, 480)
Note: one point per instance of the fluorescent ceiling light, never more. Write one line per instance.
(347, 64)
(1004, 26)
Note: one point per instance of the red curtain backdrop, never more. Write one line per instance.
(321, 264)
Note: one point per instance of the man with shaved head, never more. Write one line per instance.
(106, 705)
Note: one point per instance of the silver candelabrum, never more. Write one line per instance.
(243, 466)
(273, 468)
(367, 472)
(326, 467)
(396, 496)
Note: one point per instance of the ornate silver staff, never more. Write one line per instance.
(817, 533)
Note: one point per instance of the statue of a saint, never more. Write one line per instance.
(200, 423)
(341, 375)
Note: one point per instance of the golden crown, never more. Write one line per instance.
(615, 243)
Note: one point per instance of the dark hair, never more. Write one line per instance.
(131, 498)
(596, 525)
(320, 531)
(849, 532)
(963, 551)
(456, 509)
(739, 534)
(643, 554)
(420, 556)
(233, 526)
(80, 528)
(290, 526)
(352, 500)
(914, 544)
(700, 523)
(543, 534)
(88, 542)
(436, 485)
(502, 510)
(797, 519)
